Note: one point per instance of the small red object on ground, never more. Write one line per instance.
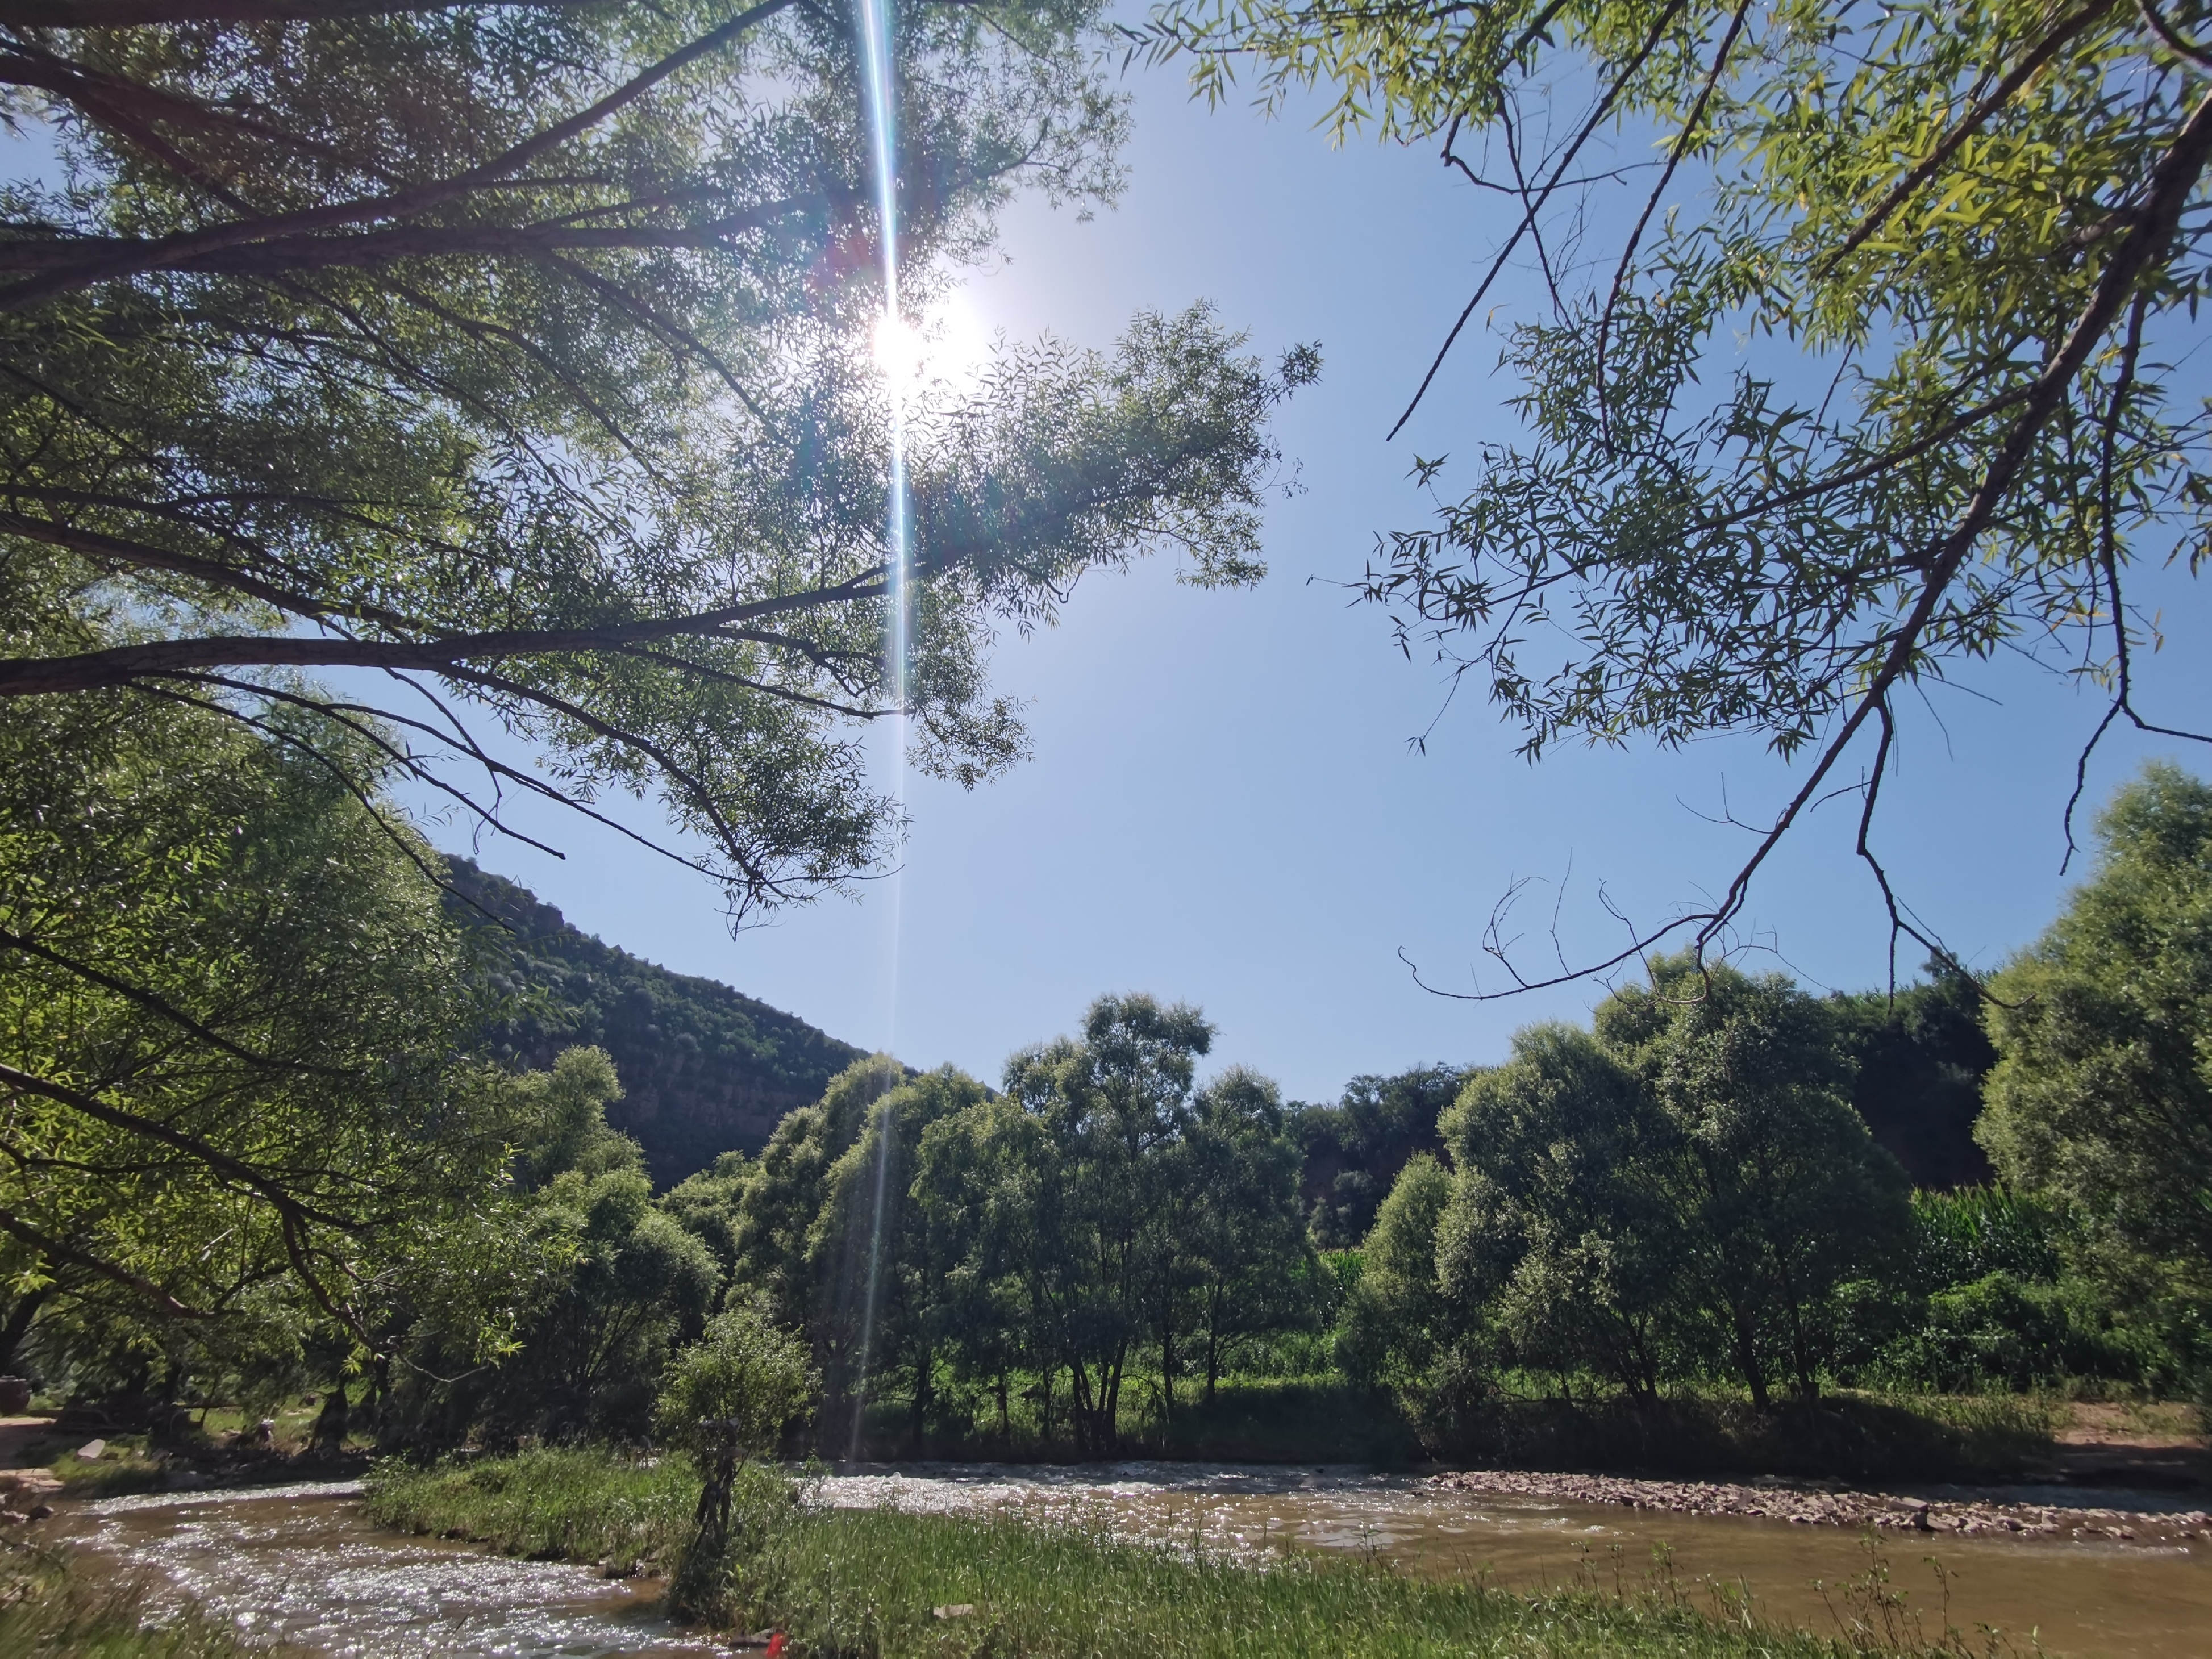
(774, 1645)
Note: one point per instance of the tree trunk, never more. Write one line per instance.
(1746, 1359)
(924, 1366)
(1212, 1340)
(330, 1430)
(1167, 1372)
(19, 1318)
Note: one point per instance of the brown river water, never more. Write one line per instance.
(300, 1563)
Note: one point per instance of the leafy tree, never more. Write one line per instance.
(1239, 1241)
(743, 1370)
(707, 1205)
(977, 1180)
(1920, 1056)
(786, 1189)
(1398, 1318)
(1354, 1149)
(230, 1037)
(728, 1398)
(1786, 1195)
(876, 1269)
(1565, 1221)
(2101, 1102)
(634, 1284)
(513, 352)
(1108, 1109)
(1966, 246)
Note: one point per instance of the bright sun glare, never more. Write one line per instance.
(949, 344)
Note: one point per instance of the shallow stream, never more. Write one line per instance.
(300, 1563)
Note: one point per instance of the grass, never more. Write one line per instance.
(869, 1584)
(572, 1505)
(44, 1609)
(1865, 1436)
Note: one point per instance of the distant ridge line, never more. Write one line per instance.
(705, 1068)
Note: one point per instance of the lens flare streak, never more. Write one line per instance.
(894, 343)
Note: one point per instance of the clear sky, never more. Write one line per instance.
(1223, 807)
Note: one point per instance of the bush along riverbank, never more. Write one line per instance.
(881, 1585)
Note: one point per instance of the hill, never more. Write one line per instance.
(704, 1068)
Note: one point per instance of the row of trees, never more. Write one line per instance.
(1677, 1193)
(1683, 1192)
(1100, 1209)
(249, 1154)
(1688, 1192)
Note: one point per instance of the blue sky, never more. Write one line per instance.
(1224, 806)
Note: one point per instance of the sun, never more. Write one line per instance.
(948, 346)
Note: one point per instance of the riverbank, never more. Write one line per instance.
(1807, 1504)
(883, 1583)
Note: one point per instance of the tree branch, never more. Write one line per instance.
(39, 675)
(16, 1227)
(170, 250)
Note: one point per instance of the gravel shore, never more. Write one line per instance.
(1824, 1506)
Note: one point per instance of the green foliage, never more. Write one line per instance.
(2100, 1103)
(576, 1503)
(239, 1118)
(1974, 234)
(1959, 1238)
(519, 351)
(624, 1281)
(1354, 1149)
(1397, 1318)
(704, 1068)
(1920, 1056)
(786, 1188)
(706, 1206)
(1783, 1193)
(1565, 1229)
(1103, 1206)
(876, 1263)
(1238, 1262)
(745, 1372)
(1682, 1191)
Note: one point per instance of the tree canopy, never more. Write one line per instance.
(1962, 245)
(235, 1062)
(514, 356)
(2100, 1101)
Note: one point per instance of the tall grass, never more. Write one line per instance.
(879, 1584)
(628, 1515)
(46, 1610)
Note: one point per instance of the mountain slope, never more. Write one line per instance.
(704, 1068)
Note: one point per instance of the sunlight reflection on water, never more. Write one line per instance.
(302, 1565)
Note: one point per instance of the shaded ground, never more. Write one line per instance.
(2158, 1448)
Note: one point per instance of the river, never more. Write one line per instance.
(300, 1563)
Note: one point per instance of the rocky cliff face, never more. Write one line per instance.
(704, 1068)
